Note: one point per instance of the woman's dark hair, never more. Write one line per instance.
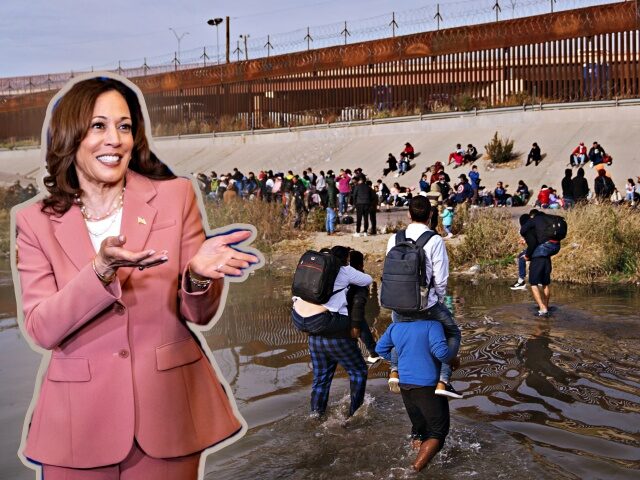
(356, 260)
(342, 253)
(69, 124)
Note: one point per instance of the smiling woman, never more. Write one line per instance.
(113, 263)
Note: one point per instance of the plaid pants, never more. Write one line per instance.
(326, 354)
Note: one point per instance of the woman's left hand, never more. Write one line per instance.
(216, 258)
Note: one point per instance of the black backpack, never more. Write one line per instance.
(315, 275)
(555, 227)
(404, 274)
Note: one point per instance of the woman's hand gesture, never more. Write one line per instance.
(216, 258)
(112, 256)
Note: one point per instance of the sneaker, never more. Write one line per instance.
(519, 285)
(543, 313)
(365, 234)
(372, 360)
(356, 234)
(448, 391)
(394, 382)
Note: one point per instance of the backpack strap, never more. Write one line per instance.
(421, 242)
(425, 237)
(401, 236)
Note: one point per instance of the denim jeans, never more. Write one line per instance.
(321, 323)
(451, 331)
(522, 265)
(331, 220)
(342, 202)
(546, 249)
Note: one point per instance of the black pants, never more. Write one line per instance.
(428, 412)
(372, 218)
(362, 211)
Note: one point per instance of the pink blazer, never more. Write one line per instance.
(124, 364)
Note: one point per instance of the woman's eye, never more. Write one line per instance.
(97, 125)
(126, 127)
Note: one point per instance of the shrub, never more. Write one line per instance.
(500, 150)
(602, 244)
(490, 238)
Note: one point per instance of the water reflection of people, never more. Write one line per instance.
(536, 355)
(113, 263)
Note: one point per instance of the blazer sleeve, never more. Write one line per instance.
(50, 313)
(198, 306)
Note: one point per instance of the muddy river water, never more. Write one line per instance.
(544, 398)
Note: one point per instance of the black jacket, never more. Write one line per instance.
(580, 187)
(362, 194)
(567, 187)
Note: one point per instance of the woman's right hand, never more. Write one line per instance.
(112, 256)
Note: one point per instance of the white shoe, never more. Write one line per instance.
(356, 234)
(365, 234)
(373, 360)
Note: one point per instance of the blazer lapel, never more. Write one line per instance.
(137, 216)
(73, 236)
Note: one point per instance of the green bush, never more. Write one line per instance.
(500, 150)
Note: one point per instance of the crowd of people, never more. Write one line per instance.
(421, 344)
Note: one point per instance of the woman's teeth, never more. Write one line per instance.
(109, 159)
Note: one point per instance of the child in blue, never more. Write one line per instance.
(421, 347)
(447, 218)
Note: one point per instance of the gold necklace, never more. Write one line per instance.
(99, 234)
(90, 218)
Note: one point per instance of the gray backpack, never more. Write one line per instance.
(404, 286)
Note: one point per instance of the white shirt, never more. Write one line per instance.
(321, 184)
(437, 261)
(109, 227)
(346, 276)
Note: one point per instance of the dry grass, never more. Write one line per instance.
(268, 218)
(490, 240)
(601, 245)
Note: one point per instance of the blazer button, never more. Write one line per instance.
(119, 309)
(124, 353)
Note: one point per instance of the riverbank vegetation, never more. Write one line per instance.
(601, 245)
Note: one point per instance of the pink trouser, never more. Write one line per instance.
(137, 466)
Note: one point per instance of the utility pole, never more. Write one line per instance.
(175, 61)
(204, 56)
(228, 39)
(345, 32)
(145, 67)
(309, 39)
(238, 50)
(246, 50)
(497, 8)
(437, 16)
(268, 46)
(179, 39)
(552, 2)
(215, 22)
(393, 24)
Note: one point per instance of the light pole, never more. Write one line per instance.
(178, 38)
(246, 49)
(215, 22)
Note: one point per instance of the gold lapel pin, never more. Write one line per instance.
(142, 221)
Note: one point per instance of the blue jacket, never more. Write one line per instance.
(421, 347)
(474, 178)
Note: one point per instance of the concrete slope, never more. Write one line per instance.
(556, 131)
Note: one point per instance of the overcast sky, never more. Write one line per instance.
(49, 36)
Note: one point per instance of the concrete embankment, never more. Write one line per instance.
(556, 131)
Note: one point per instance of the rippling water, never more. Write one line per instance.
(544, 398)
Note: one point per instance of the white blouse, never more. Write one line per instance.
(108, 227)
